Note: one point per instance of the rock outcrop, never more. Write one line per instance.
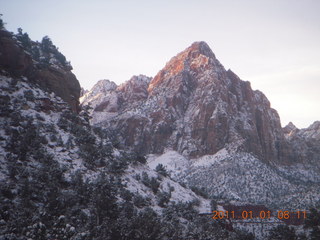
(305, 143)
(196, 107)
(17, 60)
(106, 96)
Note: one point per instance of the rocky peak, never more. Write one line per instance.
(99, 94)
(105, 96)
(105, 85)
(196, 107)
(289, 129)
(194, 60)
(134, 89)
(134, 82)
(102, 87)
(305, 143)
(199, 48)
(313, 131)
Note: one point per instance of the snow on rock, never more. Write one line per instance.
(208, 160)
(106, 98)
(99, 93)
(171, 160)
(178, 192)
(312, 132)
(235, 175)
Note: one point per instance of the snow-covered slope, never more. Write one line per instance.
(239, 176)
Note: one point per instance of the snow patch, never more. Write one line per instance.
(209, 160)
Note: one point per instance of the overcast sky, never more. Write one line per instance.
(274, 44)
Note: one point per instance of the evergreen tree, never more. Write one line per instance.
(24, 39)
(104, 199)
(35, 53)
(46, 44)
(163, 198)
(147, 225)
(1, 22)
(161, 170)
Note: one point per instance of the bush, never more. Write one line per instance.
(163, 198)
(162, 170)
(139, 201)
(117, 166)
(151, 183)
(200, 191)
(1, 22)
(135, 158)
(24, 39)
(145, 179)
(137, 177)
(46, 44)
(126, 195)
(154, 185)
(28, 94)
(147, 225)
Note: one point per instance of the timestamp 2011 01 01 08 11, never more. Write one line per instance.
(261, 215)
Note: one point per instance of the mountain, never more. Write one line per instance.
(196, 107)
(212, 131)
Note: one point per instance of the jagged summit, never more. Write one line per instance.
(289, 129)
(134, 89)
(106, 96)
(195, 59)
(290, 126)
(198, 48)
(135, 80)
(104, 86)
(313, 131)
(98, 93)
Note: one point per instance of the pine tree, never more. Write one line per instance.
(46, 44)
(24, 39)
(161, 170)
(1, 22)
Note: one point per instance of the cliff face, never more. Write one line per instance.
(18, 59)
(196, 107)
(13, 58)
